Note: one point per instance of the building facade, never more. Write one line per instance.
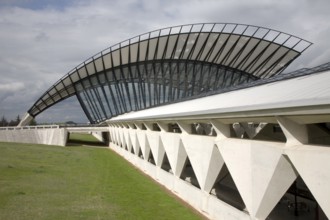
(206, 110)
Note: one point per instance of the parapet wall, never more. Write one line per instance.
(50, 135)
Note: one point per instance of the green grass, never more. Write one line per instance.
(83, 139)
(50, 182)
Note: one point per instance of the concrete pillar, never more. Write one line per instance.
(27, 118)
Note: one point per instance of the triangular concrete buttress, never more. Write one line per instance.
(258, 169)
(312, 163)
(156, 147)
(205, 162)
(144, 144)
(175, 151)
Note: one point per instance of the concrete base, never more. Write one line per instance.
(49, 135)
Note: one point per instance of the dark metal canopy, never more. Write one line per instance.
(170, 64)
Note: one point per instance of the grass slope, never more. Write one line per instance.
(50, 182)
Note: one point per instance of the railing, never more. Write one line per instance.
(81, 125)
(29, 127)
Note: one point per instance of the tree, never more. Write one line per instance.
(33, 122)
(3, 122)
(18, 120)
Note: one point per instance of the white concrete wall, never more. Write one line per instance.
(49, 135)
(262, 171)
(98, 135)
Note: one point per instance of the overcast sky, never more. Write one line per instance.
(42, 40)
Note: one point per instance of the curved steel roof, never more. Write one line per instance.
(172, 63)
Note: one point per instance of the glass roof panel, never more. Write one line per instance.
(90, 68)
(134, 51)
(218, 27)
(197, 27)
(165, 31)
(301, 46)
(236, 52)
(281, 38)
(152, 48)
(229, 44)
(82, 72)
(186, 28)
(170, 45)
(99, 64)
(199, 45)
(107, 61)
(66, 81)
(191, 41)
(124, 55)
(240, 29)
(229, 28)
(291, 42)
(115, 58)
(175, 30)
(209, 44)
(74, 76)
(253, 55)
(207, 27)
(143, 50)
(250, 31)
(181, 42)
(271, 35)
(161, 47)
(261, 33)
(269, 51)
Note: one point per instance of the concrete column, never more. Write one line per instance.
(27, 118)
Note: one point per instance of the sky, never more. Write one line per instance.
(42, 40)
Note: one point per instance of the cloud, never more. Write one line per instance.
(11, 87)
(40, 42)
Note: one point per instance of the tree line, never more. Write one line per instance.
(7, 123)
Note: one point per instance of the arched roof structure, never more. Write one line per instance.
(171, 64)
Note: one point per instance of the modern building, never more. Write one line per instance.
(208, 112)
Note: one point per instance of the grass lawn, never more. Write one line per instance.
(50, 182)
(83, 139)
